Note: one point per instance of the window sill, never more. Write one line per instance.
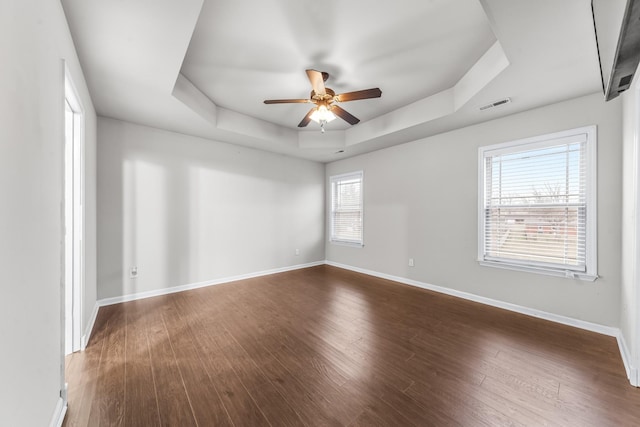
(343, 243)
(541, 270)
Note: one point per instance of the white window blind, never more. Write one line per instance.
(537, 202)
(346, 208)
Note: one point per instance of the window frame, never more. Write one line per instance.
(591, 244)
(337, 178)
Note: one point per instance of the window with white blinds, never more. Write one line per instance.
(346, 208)
(537, 204)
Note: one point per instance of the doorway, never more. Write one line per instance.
(73, 217)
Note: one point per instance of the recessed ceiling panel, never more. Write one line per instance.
(243, 52)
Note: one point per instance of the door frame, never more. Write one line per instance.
(76, 288)
(635, 345)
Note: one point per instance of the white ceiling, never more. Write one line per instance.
(243, 52)
(203, 67)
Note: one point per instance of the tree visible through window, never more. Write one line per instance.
(346, 208)
(537, 203)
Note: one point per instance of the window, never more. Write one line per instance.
(346, 208)
(537, 205)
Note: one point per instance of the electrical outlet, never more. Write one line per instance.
(411, 264)
(297, 252)
(133, 273)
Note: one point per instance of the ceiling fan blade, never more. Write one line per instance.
(305, 121)
(344, 115)
(287, 101)
(317, 81)
(359, 94)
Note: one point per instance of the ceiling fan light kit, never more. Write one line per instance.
(322, 114)
(325, 98)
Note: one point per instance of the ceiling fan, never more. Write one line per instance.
(325, 99)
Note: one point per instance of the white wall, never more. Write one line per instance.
(420, 201)
(34, 38)
(630, 284)
(186, 210)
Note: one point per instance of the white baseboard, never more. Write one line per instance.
(594, 327)
(59, 413)
(174, 289)
(632, 372)
(89, 328)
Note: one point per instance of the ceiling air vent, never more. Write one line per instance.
(496, 104)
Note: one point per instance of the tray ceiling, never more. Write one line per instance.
(203, 67)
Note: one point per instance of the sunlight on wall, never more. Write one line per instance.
(144, 226)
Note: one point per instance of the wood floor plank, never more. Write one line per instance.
(141, 401)
(283, 341)
(273, 405)
(324, 346)
(83, 377)
(334, 336)
(313, 409)
(109, 394)
(479, 364)
(369, 419)
(388, 415)
(173, 402)
(524, 404)
(311, 369)
(203, 394)
(460, 402)
(242, 408)
(417, 413)
(595, 407)
(212, 343)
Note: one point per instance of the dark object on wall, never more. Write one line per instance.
(617, 29)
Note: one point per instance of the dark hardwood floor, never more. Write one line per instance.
(325, 346)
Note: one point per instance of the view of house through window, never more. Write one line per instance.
(537, 202)
(346, 208)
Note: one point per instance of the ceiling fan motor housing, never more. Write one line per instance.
(328, 94)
